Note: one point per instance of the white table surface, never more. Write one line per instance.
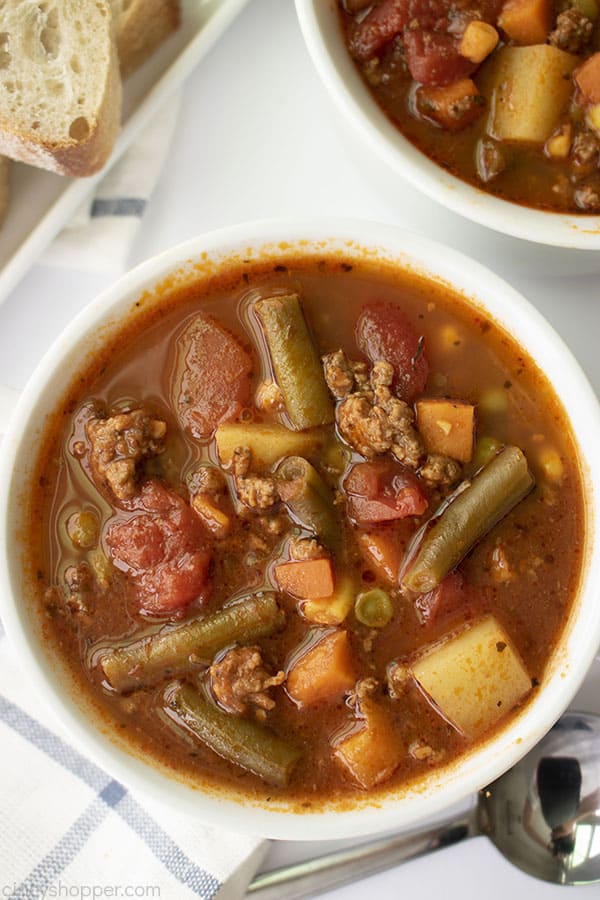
(258, 138)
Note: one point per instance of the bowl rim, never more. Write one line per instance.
(486, 763)
(385, 141)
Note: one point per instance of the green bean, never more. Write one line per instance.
(148, 659)
(295, 361)
(308, 498)
(241, 741)
(465, 517)
(374, 608)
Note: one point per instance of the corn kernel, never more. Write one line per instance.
(593, 117)
(493, 400)
(551, 465)
(558, 145)
(478, 41)
(82, 528)
(450, 336)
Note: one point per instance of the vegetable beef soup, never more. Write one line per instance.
(307, 529)
(505, 94)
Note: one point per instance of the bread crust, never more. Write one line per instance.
(4, 186)
(141, 28)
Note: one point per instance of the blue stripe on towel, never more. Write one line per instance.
(118, 206)
(63, 853)
(53, 746)
(172, 857)
(111, 794)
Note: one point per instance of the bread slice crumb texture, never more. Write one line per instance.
(60, 91)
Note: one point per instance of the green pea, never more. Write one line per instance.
(374, 608)
(589, 8)
(485, 449)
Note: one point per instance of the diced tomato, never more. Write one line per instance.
(450, 596)
(383, 23)
(384, 332)
(434, 58)
(161, 547)
(389, 19)
(382, 491)
(212, 376)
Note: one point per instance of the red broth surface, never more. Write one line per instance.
(520, 121)
(181, 528)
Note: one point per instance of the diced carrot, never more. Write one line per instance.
(587, 77)
(527, 21)
(383, 551)
(307, 579)
(453, 106)
(214, 519)
(447, 427)
(372, 754)
(324, 672)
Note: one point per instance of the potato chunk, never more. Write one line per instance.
(531, 88)
(332, 610)
(267, 443)
(447, 427)
(473, 677)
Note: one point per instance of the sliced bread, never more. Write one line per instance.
(140, 26)
(4, 187)
(60, 88)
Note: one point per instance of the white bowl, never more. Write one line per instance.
(319, 20)
(276, 240)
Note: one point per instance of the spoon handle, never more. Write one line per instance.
(306, 879)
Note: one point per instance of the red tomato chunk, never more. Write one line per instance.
(434, 58)
(212, 378)
(161, 548)
(382, 491)
(384, 332)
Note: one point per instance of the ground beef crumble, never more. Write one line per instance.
(118, 444)
(239, 680)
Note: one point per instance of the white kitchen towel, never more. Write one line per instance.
(68, 829)
(100, 235)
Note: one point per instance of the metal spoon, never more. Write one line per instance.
(543, 815)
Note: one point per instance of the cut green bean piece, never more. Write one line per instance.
(308, 498)
(241, 741)
(295, 361)
(374, 608)
(147, 660)
(465, 518)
